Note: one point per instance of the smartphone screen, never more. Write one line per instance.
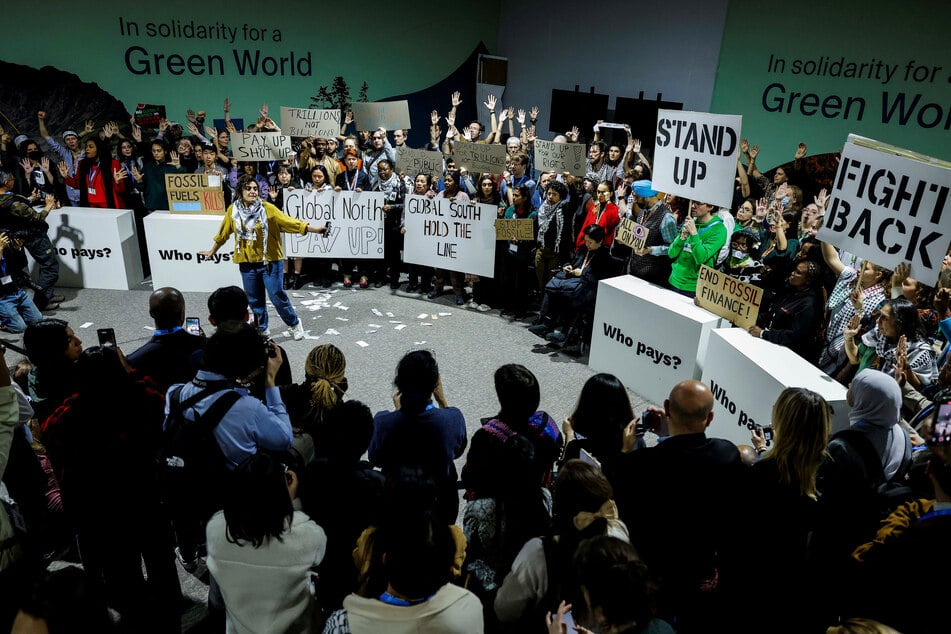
(107, 337)
(941, 429)
(587, 457)
(193, 325)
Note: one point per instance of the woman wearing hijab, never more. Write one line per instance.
(259, 252)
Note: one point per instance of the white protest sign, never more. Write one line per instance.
(322, 124)
(695, 155)
(450, 235)
(356, 224)
(747, 374)
(480, 158)
(889, 205)
(560, 157)
(413, 162)
(381, 114)
(260, 146)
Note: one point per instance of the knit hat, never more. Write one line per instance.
(20, 139)
(593, 177)
(643, 188)
(70, 133)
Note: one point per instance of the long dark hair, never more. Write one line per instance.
(416, 377)
(104, 160)
(602, 412)
(906, 316)
(257, 505)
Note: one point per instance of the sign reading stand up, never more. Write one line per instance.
(695, 155)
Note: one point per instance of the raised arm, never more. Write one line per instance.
(832, 258)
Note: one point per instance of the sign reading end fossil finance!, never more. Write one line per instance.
(695, 155)
(450, 235)
(310, 122)
(890, 205)
(356, 224)
(728, 297)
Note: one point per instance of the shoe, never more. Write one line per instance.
(539, 329)
(326, 283)
(483, 308)
(288, 281)
(505, 312)
(49, 307)
(433, 293)
(298, 330)
(555, 337)
(394, 285)
(572, 350)
(266, 332)
(299, 280)
(364, 282)
(412, 288)
(58, 298)
(460, 300)
(379, 284)
(474, 305)
(347, 282)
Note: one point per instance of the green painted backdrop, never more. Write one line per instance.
(395, 47)
(902, 96)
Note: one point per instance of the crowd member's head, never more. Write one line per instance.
(583, 504)
(604, 193)
(615, 583)
(518, 393)
(126, 150)
(399, 137)
(522, 198)
(899, 317)
(416, 377)
(351, 158)
(223, 139)
(602, 412)
(248, 189)
(689, 408)
(248, 167)
(325, 369)
(512, 145)
(51, 342)
(71, 139)
(519, 163)
(63, 601)
(167, 308)
(745, 212)
(319, 176)
(452, 182)
(614, 154)
(805, 276)
(743, 244)
(874, 275)
(98, 150)
(422, 183)
(7, 181)
(917, 293)
(779, 176)
(228, 303)
(590, 183)
(185, 147)
(476, 128)
(875, 399)
(378, 138)
(801, 425)
(645, 196)
(597, 151)
(258, 499)
(556, 193)
(236, 350)
(641, 171)
(593, 237)
(345, 432)
(702, 212)
(101, 370)
(861, 626)
(160, 151)
(209, 154)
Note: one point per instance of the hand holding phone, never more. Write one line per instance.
(107, 337)
(193, 326)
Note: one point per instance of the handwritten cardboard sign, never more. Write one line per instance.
(412, 162)
(381, 114)
(514, 229)
(560, 157)
(310, 122)
(728, 297)
(631, 234)
(445, 234)
(480, 158)
(356, 224)
(195, 194)
(261, 146)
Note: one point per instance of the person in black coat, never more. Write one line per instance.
(794, 318)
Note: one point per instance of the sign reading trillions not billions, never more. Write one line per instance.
(356, 224)
(695, 155)
(310, 122)
(457, 236)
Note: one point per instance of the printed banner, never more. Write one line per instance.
(728, 297)
(631, 234)
(514, 229)
(195, 194)
(448, 235)
(381, 114)
(480, 158)
(412, 162)
(356, 224)
(560, 157)
(695, 155)
(260, 146)
(887, 206)
(310, 122)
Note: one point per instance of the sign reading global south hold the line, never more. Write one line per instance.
(695, 155)
(445, 234)
(356, 224)
(890, 205)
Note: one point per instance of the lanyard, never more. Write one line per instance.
(159, 331)
(932, 514)
(386, 597)
(351, 186)
(93, 173)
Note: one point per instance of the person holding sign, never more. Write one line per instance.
(518, 253)
(701, 237)
(650, 262)
(259, 252)
(394, 192)
(795, 316)
(453, 192)
(153, 175)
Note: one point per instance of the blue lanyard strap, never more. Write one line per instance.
(386, 597)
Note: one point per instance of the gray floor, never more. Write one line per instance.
(468, 346)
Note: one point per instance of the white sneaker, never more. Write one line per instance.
(474, 305)
(266, 332)
(483, 308)
(298, 330)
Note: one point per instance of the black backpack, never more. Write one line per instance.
(191, 461)
(886, 495)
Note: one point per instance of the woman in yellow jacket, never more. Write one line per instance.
(259, 251)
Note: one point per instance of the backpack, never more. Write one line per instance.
(886, 495)
(190, 459)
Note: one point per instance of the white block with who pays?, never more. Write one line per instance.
(97, 248)
(649, 337)
(747, 374)
(174, 241)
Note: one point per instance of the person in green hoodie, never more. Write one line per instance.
(701, 237)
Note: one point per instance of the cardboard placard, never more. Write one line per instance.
(381, 114)
(412, 162)
(195, 194)
(356, 224)
(695, 155)
(631, 234)
(261, 146)
(514, 229)
(480, 158)
(890, 205)
(310, 122)
(450, 235)
(728, 297)
(560, 157)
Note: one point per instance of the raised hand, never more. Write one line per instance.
(503, 115)
(744, 146)
(434, 117)
(465, 134)
(637, 146)
(821, 199)
(455, 99)
(230, 127)
(109, 129)
(173, 159)
(90, 127)
(26, 165)
(530, 137)
(490, 102)
(41, 115)
(263, 111)
(191, 127)
(190, 115)
(754, 152)
(119, 174)
(858, 300)
(162, 126)
(573, 134)
(45, 164)
(212, 134)
(510, 111)
(761, 207)
(900, 274)
(348, 118)
(137, 133)
(852, 328)
(136, 174)
(942, 301)
(272, 193)
(63, 169)
(800, 151)
(49, 203)
(521, 116)
(227, 106)
(451, 120)
(533, 113)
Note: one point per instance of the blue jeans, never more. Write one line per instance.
(17, 310)
(258, 278)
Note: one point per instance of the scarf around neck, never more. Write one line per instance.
(246, 221)
(545, 215)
